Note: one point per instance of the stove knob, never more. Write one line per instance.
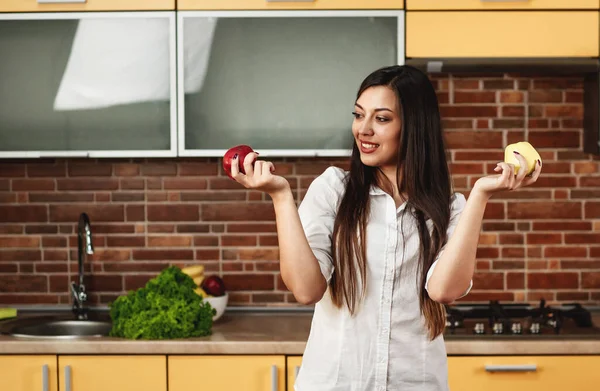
(479, 328)
(516, 328)
(534, 328)
(498, 328)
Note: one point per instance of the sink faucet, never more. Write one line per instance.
(84, 238)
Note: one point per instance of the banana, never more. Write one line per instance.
(194, 271)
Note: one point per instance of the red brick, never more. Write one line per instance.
(498, 226)
(238, 212)
(565, 252)
(238, 240)
(574, 97)
(511, 96)
(512, 238)
(513, 252)
(544, 210)
(133, 282)
(135, 213)
(538, 123)
(20, 255)
(473, 139)
(126, 241)
(193, 228)
(544, 238)
(246, 282)
(86, 184)
(545, 96)
(487, 252)
(132, 184)
(159, 169)
(589, 181)
(56, 255)
(105, 283)
(163, 255)
(198, 169)
(498, 84)
(582, 238)
(466, 168)
(508, 265)
(560, 280)
(572, 296)
(583, 264)
(554, 139)
(46, 170)
(90, 169)
(122, 267)
(206, 241)
(564, 111)
(494, 210)
(104, 254)
(127, 169)
(590, 280)
(173, 213)
(252, 228)
(448, 123)
(592, 210)
(214, 196)
(465, 84)
(33, 184)
(259, 254)
(468, 111)
(11, 283)
(127, 197)
(207, 254)
(23, 213)
(492, 156)
(19, 241)
(184, 183)
(8, 268)
(493, 281)
(61, 197)
(585, 167)
(515, 280)
(509, 123)
(512, 111)
(487, 296)
(170, 241)
(475, 97)
(96, 212)
(562, 226)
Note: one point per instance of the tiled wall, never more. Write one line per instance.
(542, 242)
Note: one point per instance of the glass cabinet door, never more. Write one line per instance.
(283, 82)
(88, 84)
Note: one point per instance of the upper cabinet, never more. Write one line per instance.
(288, 4)
(502, 34)
(84, 5)
(283, 82)
(501, 4)
(88, 84)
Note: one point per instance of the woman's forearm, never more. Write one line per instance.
(453, 273)
(299, 267)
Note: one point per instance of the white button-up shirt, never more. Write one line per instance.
(385, 345)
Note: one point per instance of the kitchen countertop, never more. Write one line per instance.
(285, 332)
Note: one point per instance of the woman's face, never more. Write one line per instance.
(376, 127)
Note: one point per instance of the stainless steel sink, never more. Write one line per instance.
(58, 328)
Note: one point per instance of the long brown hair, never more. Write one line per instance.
(422, 175)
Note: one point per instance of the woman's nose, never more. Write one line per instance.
(366, 128)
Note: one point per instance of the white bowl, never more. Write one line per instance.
(218, 303)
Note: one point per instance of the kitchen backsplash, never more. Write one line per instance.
(542, 242)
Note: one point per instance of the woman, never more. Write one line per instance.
(379, 313)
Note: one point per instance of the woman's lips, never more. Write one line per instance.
(366, 147)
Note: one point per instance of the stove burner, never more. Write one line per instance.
(518, 319)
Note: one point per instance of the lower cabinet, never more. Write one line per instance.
(226, 373)
(28, 373)
(114, 373)
(293, 367)
(524, 373)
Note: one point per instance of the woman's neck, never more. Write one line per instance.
(388, 182)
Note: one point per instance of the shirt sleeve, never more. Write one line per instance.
(317, 214)
(456, 208)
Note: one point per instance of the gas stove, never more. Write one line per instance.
(517, 320)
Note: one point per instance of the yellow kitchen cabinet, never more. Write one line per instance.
(293, 367)
(226, 373)
(502, 34)
(288, 5)
(497, 5)
(28, 373)
(524, 373)
(104, 373)
(84, 5)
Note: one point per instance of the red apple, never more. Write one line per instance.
(241, 151)
(214, 286)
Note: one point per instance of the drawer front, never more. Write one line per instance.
(84, 5)
(485, 34)
(500, 4)
(524, 373)
(288, 5)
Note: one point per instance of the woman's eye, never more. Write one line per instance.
(356, 115)
(382, 119)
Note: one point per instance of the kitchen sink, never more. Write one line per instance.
(57, 328)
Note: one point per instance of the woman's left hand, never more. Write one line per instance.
(508, 179)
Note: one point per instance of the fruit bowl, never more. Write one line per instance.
(219, 303)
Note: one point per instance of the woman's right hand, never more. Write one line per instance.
(258, 175)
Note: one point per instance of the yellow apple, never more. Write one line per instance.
(527, 151)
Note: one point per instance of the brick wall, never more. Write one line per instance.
(543, 242)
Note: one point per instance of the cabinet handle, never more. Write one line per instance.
(511, 368)
(60, 1)
(67, 378)
(274, 378)
(45, 377)
(296, 370)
